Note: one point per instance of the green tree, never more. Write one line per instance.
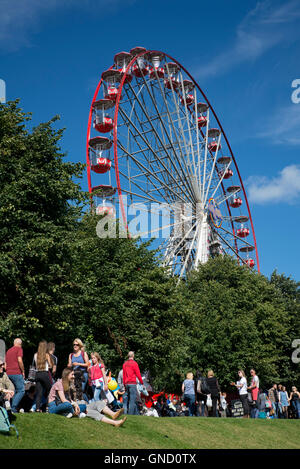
(40, 205)
(237, 320)
(289, 290)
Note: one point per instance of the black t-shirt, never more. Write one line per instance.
(213, 386)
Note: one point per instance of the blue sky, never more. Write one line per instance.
(244, 55)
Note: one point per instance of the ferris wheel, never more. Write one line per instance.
(154, 142)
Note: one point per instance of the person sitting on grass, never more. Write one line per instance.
(172, 408)
(61, 397)
(97, 409)
(6, 386)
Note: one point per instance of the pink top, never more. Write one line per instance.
(96, 372)
(58, 386)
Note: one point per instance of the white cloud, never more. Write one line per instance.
(285, 187)
(263, 28)
(283, 127)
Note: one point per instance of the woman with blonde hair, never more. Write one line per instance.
(215, 391)
(241, 385)
(294, 400)
(189, 395)
(98, 376)
(43, 364)
(79, 361)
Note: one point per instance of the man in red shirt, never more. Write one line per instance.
(131, 372)
(15, 371)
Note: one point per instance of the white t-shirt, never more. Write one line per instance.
(46, 363)
(255, 381)
(243, 389)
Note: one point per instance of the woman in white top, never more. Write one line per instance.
(43, 379)
(241, 385)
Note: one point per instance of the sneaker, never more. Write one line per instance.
(7, 405)
(82, 415)
(70, 415)
(21, 411)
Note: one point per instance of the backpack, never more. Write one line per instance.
(202, 386)
(268, 404)
(5, 424)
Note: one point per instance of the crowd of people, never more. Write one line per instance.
(87, 389)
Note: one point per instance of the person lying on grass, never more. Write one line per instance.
(97, 409)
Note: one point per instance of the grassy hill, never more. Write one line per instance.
(46, 431)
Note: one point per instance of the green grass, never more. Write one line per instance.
(46, 431)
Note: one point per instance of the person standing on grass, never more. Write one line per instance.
(254, 389)
(131, 372)
(215, 391)
(188, 391)
(98, 376)
(274, 398)
(51, 350)
(295, 401)
(15, 371)
(43, 378)
(79, 361)
(61, 399)
(284, 400)
(242, 388)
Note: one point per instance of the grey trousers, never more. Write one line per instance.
(94, 410)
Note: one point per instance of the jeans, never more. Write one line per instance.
(190, 402)
(96, 393)
(254, 413)
(296, 406)
(275, 407)
(132, 393)
(125, 402)
(18, 382)
(84, 380)
(64, 408)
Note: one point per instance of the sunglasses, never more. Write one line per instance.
(75, 345)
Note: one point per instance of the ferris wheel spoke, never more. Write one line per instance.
(160, 228)
(226, 197)
(230, 248)
(151, 167)
(153, 175)
(183, 269)
(235, 237)
(144, 194)
(153, 153)
(195, 181)
(168, 134)
(179, 111)
(197, 139)
(221, 180)
(176, 248)
(212, 169)
(205, 154)
(162, 143)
